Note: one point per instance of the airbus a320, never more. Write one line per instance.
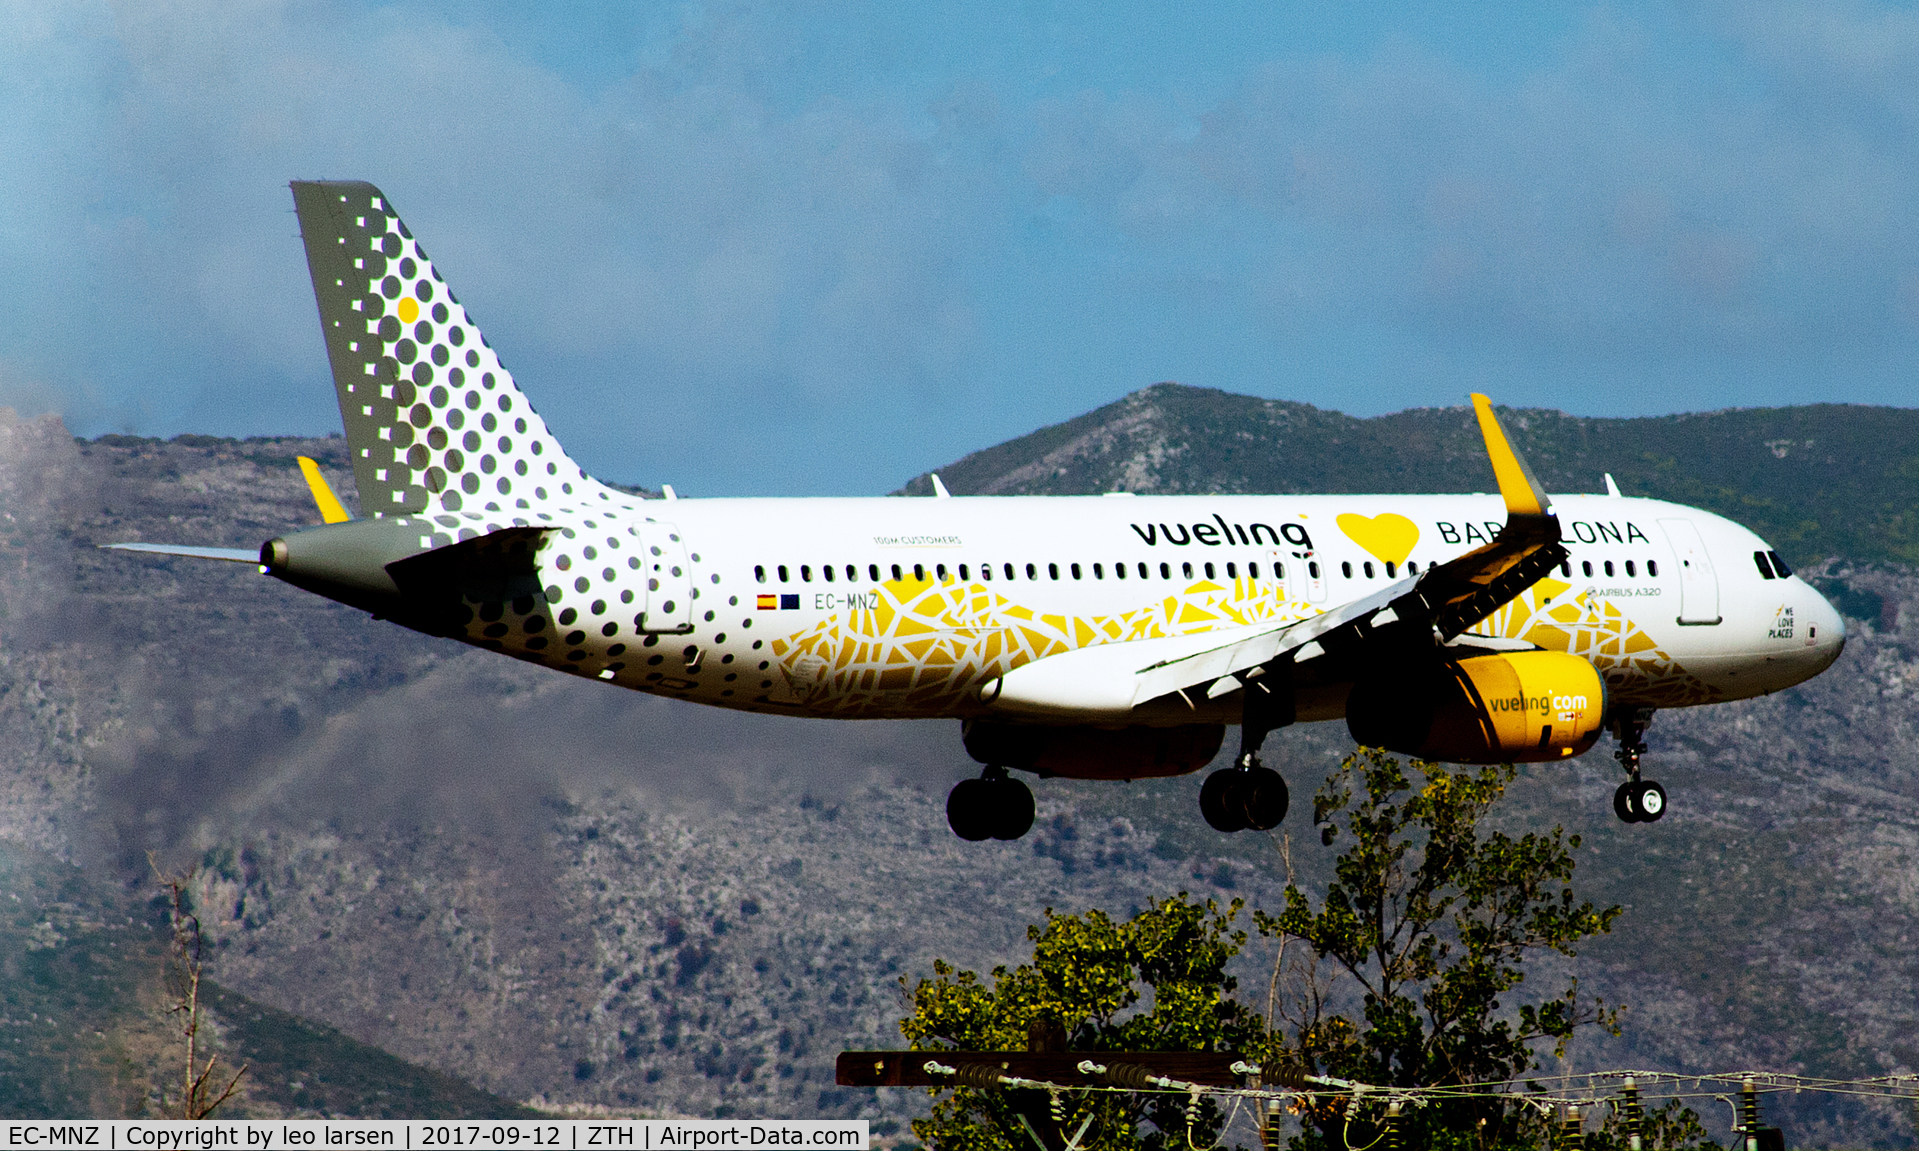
(1091, 637)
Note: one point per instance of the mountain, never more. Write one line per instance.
(578, 897)
(1826, 480)
(84, 1028)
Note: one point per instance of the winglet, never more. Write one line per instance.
(331, 510)
(1517, 484)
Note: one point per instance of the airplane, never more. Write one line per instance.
(1110, 637)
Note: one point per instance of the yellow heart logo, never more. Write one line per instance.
(1390, 537)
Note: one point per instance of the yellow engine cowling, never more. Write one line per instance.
(1522, 707)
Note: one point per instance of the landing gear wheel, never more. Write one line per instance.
(969, 810)
(1012, 806)
(1637, 800)
(1239, 798)
(1216, 802)
(1263, 798)
(994, 806)
(1648, 800)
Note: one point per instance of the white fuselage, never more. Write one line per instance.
(905, 607)
(859, 608)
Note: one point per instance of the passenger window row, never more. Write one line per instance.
(1769, 563)
(1392, 570)
(1566, 569)
(830, 573)
(1632, 569)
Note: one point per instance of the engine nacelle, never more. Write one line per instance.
(1522, 707)
(1093, 752)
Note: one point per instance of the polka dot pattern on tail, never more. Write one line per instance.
(410, 365)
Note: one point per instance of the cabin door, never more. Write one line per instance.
(667, 595)
(1698, 584)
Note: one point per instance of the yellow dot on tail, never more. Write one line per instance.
(409, 310)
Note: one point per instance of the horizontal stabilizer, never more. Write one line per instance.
(230, 555)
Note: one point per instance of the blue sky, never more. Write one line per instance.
(812, 248)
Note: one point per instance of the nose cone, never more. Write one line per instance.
(1826, 636)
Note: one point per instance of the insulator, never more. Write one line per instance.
(1128, 1075)
(1572, 1132)
(1633, 1115)
(1749, 1113)
(1292, 1078)
(1271, 1136)
(977, 1074)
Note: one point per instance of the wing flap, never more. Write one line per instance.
(1223, 668)
(1102, 681)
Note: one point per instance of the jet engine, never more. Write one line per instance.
(1093, 752)
(1520, 707)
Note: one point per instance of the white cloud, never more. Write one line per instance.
(707, 254)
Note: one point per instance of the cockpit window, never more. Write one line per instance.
(1765, 569)
(1779, 565)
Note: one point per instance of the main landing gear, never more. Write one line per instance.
(1244, 796)
(994, 806)
(1247, 795)
(1636, 800)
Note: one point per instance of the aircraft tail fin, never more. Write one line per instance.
(435, 423)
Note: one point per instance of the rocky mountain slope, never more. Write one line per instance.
(1818, 481)
(568, 894)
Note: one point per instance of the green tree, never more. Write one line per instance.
(1087, 981)
(1425, 931)
(1430, 919)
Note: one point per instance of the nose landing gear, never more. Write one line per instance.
(994, 806)
(1636, 800)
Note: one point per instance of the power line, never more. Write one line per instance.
(1237, 1086)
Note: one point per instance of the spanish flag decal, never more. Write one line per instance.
(769, 603)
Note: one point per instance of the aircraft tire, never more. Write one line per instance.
(1011, 804)
(1648, 801)
(1219, 803)
(969, 809)
(1622, 803)
(1262, 798)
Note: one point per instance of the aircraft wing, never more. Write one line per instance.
(1436, 606)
